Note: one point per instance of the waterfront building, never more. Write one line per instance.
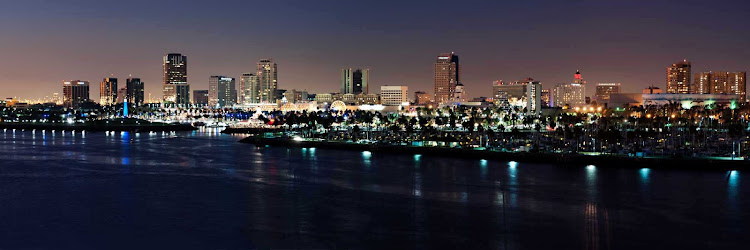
(678, 78)
(175, 85)
(108, 91)
(200, 97)
(249, 88)
(422, 98)
(267, 73)
(720, 82)
(394, 95)
(324, 98)
(447, 75)
(295, 96)
(604, 90)
(652, 90)
(534, 98)
(75, 93)
(221, 91)
(355, 81)
(134, 91)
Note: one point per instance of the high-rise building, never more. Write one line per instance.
(546, 98)
(422, 98)
(268, 80)
(720, 82)
(572, 94)
(394, 95)
(108, 91)
(534, 98)
(250, 87)
(176, 87)
(459, 95)
(221, 91)
(604, 90)
(134, 91)
(200, 97)
(355, 81)
(678, 78)
(447, 75)
(121, 94)
(75, 93)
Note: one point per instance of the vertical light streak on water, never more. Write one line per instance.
(644, 179)
(366, 155)
(512, 188)
(591, 182)
(125, 157)
(733, 187)
(483, 169)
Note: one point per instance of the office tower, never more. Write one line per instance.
(250, 87)
(268, 80)
(678, 78)
(510, 91)
(134, 91)
(355, 81)
(108, 91)
(200, 97)
(176, 87)
(572, 94)
(534, 98)
(604, 90)
(75, 93)
(121, 95)
(459, 94)
(720, 82)
(422, 98)
(221, 91)
(394, 95)
(447, 75)
(546, 98)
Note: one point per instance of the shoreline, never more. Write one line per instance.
(563, 159)
(98, 128)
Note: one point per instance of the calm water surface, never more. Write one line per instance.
(203, 190)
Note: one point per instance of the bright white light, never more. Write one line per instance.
(590, 167)
(297, 138)
(512, 164)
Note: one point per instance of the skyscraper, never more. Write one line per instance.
(268, 80)
(447, 75)
(678, 78)
(355, 81)
(534, 98)
(249, 88)
(108, 91)
(135, 91)
(720, 82)
(604, 90)
(75, 93)
(221, 91)
(176, 87)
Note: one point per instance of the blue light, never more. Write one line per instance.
(417, 157)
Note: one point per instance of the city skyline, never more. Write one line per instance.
(398, 53)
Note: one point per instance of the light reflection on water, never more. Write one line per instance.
(372, 199)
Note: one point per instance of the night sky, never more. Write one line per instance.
(43, 43)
